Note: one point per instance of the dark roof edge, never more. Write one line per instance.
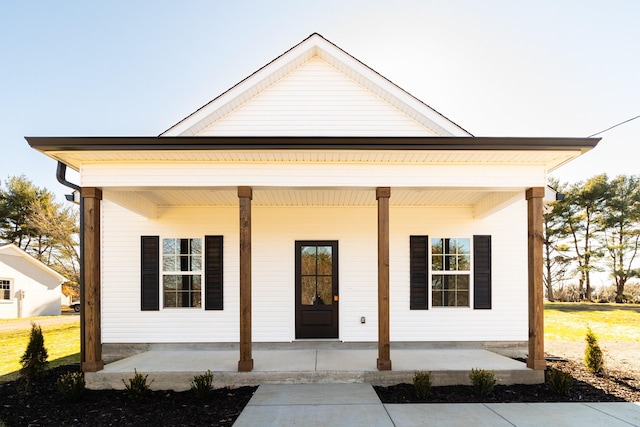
(189, 143)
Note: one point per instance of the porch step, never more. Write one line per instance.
(174, 370)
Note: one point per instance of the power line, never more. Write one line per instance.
(614, 126)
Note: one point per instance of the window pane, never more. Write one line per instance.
(437, 282)
(196, 284)
(170, 299)
(324, 291)
(324, 260)
(449, 283)
(6, 294)
(462, 299)
(463, 246)
(185, 263)
(464, 263)
(169, 246)
(196, 246)
(196, 263)
(436, 246)
(308, 290)
(449, 298)
(437, 299)
(436, 262)
(450, 263)
(196, 299)
(308, 260)
(169, 263)
(463, 282)
(170, 282)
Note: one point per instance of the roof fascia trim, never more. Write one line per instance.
(183, 143)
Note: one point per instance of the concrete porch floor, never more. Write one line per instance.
(174, 370)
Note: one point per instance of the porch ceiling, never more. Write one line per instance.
(146, 201)
(551, 159)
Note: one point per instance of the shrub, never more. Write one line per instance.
(422, 384)
(482, 381)
(202, 385)
(560, 382)
(137, 388)
(71, 385)
(34, 360)
(593, 358)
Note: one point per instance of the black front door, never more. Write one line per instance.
(316, 289)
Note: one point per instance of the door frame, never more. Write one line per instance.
(334, 331)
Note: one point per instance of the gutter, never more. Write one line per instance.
(61, 173)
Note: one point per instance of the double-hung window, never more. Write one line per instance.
(451, 272)
(182, 272)
(5, 290)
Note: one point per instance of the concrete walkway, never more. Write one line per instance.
(358, 405)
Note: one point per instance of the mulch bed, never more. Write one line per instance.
(612, 386)
(45, 406)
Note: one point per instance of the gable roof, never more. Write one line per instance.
(316, 47)
(13, 250)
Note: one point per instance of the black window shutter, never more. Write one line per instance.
(481, 272)
(418, 272)
(213, 280)
(150, 270)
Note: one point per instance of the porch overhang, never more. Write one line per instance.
(550, 152)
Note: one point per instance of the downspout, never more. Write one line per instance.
(61, 173)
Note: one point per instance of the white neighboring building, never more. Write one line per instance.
(314, 200)
(27, 286)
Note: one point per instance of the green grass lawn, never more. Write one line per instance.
(62, 343)
(610, 322)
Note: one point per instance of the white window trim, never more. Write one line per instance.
(11, 292)
(181, 273)
(433, 272)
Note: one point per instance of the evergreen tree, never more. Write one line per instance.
(34, 360)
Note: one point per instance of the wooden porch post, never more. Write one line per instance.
(536, 305)
(384, 347)
(245, 194)
(91, 335)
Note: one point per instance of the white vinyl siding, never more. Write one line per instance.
(316, 100)
(274, 232)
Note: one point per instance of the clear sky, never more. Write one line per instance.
(497, 68)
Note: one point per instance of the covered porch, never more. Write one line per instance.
(479, 175)
(313, 362)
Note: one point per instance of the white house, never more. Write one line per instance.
(314, 200)
(27, 286)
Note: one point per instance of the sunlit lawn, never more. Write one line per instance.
(610, 322)
(62, 343)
